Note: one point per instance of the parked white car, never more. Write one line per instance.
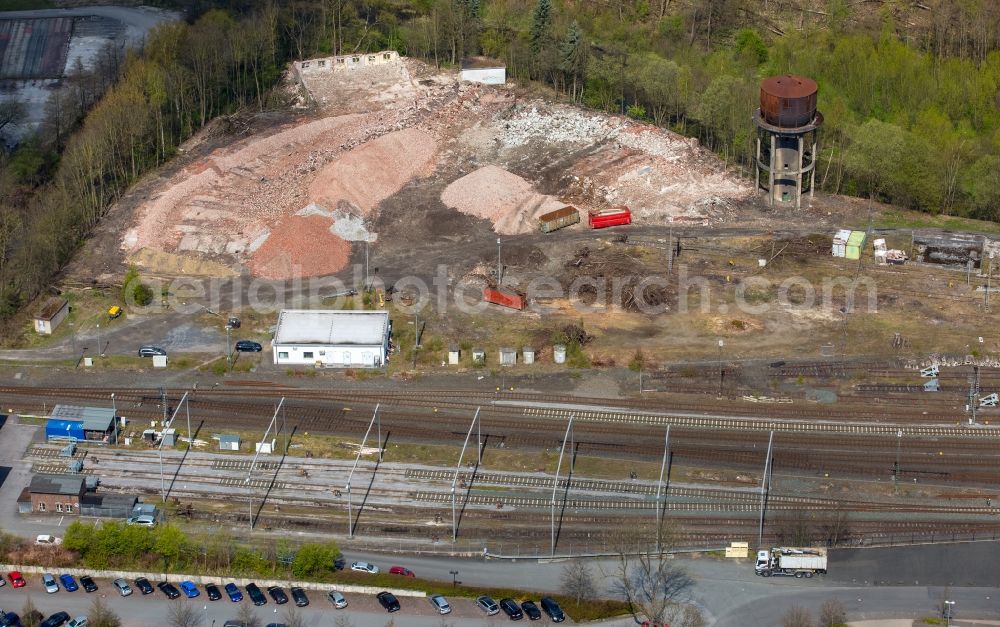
(365, 567)
(47, 539)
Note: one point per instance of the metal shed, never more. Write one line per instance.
(229, 442)
(454, 354)
(56, 430)
(478, 356)
(508, 356)
(528, 355)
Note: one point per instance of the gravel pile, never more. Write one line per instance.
(558, 124)
(285, 255)
(503, 198)
(375, 170)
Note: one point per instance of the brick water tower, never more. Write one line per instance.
(787, 122)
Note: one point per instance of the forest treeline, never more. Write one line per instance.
(912, 112)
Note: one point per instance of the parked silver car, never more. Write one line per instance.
(337, 599)
(122, 586)
(441, 604)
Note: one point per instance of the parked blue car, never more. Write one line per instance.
(189, 589)
(68, 583)
(234, 593)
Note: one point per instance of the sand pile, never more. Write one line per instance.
(283, 255)
(503, 198)
(372, 172)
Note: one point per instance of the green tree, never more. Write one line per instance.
(573, 55)
(750, 47)
(313, 559)
(79, 536)
(171, 544)
(541, 39)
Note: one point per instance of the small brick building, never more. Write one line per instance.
(56, 494)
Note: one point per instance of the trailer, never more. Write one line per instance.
(612, 216)
(791, 562)
(504, 298)
(558, 219)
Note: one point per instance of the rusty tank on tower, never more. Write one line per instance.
(787, 123)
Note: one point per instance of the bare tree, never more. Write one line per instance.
(832, 613)
(294, 618)
(343, 621)
(183, 615)
(100, 615)
(578, 580)
(11, 112)
(652, 585)
(797, 617)
(247, 616)
(30, 616)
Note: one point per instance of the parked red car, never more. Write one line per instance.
(399, 570)
(16, 579)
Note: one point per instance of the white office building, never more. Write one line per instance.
(332, 339)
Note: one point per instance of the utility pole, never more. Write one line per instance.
(499, 266)
(765, 487)
(100, 345)
(721, 370)
(895, 471)
(989, 276)
(229, 347)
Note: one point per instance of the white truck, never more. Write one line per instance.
(791, 562)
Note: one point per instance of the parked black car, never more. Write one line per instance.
(510, 608)
(299, 596)
(550, 607)
(388, 601)
(212, 591)
(169, 589)
(278, 595)
(10, 619)
(531, 610)
(143, 585)
(56, 620)
(255, 594)
(88, 583)
(339, 562)
(246, 346)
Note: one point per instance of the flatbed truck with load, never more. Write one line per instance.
(791, 562)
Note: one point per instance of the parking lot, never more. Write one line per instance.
(138, 610)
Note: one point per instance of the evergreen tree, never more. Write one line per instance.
(573, 59)
(541, 39)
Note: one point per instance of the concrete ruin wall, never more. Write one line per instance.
(328, 65)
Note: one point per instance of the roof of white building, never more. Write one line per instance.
(331, 327)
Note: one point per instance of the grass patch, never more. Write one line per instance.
(895, 219)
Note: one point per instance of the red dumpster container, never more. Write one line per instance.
(613, 216)
(504, 298)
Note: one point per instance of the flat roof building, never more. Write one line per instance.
(332, 338)
(90, 424)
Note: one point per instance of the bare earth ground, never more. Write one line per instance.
(429, 171)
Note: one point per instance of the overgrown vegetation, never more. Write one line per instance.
(167, 548)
